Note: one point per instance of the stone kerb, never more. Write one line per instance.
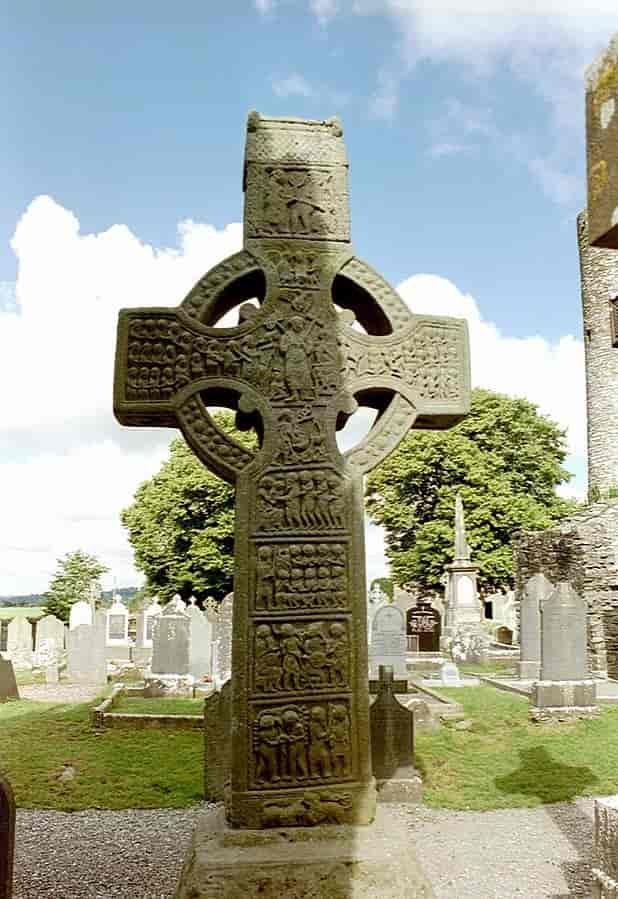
(7, 838)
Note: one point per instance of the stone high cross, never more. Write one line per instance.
(328, 332)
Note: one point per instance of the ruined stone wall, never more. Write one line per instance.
(582, 550)
(599, 285)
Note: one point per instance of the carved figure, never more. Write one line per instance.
(340, 739)
(291, 652)
(319, 754)
(267, 753)
(294, 741)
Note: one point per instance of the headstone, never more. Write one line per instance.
(81, 613)
(145, 624)
(7, 838)
(171, 634)
(392, 742)
(8, 684)
(223, 642)
(19, 645)
(449, 675)
(49, 628)
(86, 661)
(565, 689)
(291, 369)
(117, 615)
(375, 600)
(425, 624)
(200, 642)
(388, 641)
(536, 591)
(605, 857)
(602, 147)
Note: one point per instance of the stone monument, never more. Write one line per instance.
(294, 369)
(602, 147)
(388, 641)
(171, 638)
(200, 642)
(8, 683)
(463, 614)
(7, 838)
(424, 626)
(86, 662)
(565, 689)
(392, 744)
(537, 589)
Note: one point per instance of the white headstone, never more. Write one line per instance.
(223, 644)
(81, 613)
(117, 623)
(449, 675)
(200, 643)
(388, 641)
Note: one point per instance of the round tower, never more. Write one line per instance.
(599, 286)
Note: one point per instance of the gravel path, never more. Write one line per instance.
(539, 853)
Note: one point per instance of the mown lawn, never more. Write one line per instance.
(136, 706)
(505, 761)
(114, 769)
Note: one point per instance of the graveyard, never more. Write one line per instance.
(260, 718)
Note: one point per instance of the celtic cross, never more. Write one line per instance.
(326, 333)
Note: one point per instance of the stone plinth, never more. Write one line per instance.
(336, 862)
(563, 699)
(605, 866)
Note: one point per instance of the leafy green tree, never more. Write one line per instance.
(505, 459)
(181, 524)
(385, 584)
(76, 573)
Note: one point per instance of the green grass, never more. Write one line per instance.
(25, 678)
(505, 761)
(116, 769)
(136, 706)
(497, 666)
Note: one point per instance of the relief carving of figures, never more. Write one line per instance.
(303, 575)
(298, 201)
(302, 743)
(301, 501)
(307, 811)
(290, 657)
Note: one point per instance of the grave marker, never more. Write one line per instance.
(8, 684)
(294, 368)
(536, 591)
(388, 641)
(7, 838)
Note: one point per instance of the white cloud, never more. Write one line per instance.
(264, 6)
(324, 10)
(293, 85)
(67, 468)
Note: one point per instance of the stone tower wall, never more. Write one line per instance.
(599, 283)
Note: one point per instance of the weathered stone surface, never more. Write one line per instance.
(388, 641)
(223, 641)
(559, 694)
(7, 838)
(200, 642)
(602, 147)
(605, 864)
(334, 862)
(170, 637)
(563, 635)
(8, 684)
(536, 591)
(292, 369)
(392, 731)
(81, 612)
(86, 652)
(217, 742)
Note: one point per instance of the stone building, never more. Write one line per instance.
(584, 548)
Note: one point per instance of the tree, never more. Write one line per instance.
(181, 524)
(386, 586)
(505, 459)
(76, 574)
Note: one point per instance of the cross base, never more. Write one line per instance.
(341, 862)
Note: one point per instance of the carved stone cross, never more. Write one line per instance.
(327, 332)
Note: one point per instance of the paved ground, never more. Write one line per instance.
(517, 854)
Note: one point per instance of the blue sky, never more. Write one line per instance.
(465, 133)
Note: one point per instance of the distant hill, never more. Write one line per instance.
(38, 599)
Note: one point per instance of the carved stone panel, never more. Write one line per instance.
(307, 500)
(295, 576)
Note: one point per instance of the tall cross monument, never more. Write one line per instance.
(327, 332)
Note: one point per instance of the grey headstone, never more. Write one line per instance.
(50, 628)
(171, 634)
(8, 684)
(200, 643)
(388, 640)
(564, 636)
(223, 651)
(19, 642)
(392, 730)
(86, 657)
(537, 589)
(7, 838)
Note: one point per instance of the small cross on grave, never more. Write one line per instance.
(327, 333)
